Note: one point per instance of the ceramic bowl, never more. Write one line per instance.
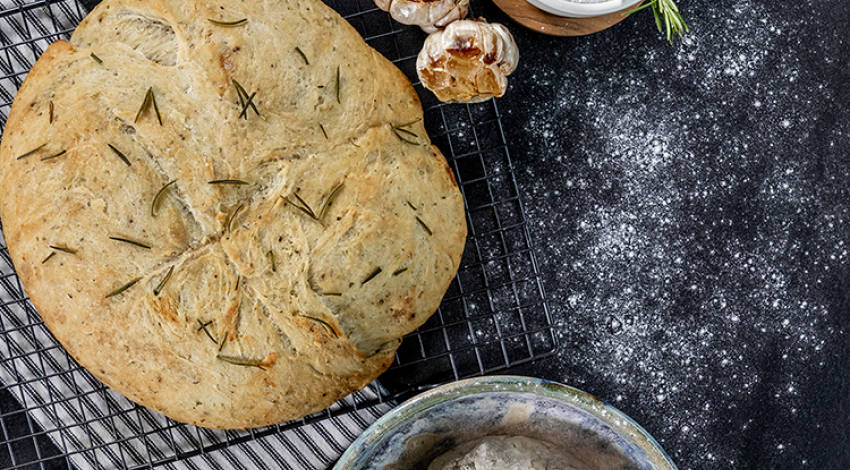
(582, 10)
(416, 432)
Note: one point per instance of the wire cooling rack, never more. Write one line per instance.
(54, 414)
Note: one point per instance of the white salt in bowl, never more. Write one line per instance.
(582, 9)
(413, 434)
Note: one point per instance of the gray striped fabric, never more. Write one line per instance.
(95, 426)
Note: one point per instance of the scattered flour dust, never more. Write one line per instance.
(677, 258)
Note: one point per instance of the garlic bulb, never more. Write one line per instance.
(468, 61)
(429, 15)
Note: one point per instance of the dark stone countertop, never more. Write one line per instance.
(690, 211)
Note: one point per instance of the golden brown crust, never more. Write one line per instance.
(246, 310)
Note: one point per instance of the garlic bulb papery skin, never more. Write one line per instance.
(430, 15)
(468, 61)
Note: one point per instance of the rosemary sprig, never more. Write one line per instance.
(64, 250)
(402, 138)
(163, 282)
(96, 58)
(31, 152)
(238, 361)
(250, 102)
(305, 208)
(408, 124)
(159, 194)
(132, 242)
(150, 99)
(337, 85)
(329, 201)
(326, 324)
(51, 157)
(123, 288)
(240, 92)
(332, 294)
(412, 206)
(424, 226)
(407, 132)
(238, 182)
(55, 249)
(120, 154)
(667, 18)
(155, 106)
(302, 206)
(401, 132)
(145, 104)
(372, 276)
(233, 216)
(323, 131)
(270, 255)
(303, 56)
(244, 99)
(229, 24)
(203, 328)
(51, 112)
(399, 271)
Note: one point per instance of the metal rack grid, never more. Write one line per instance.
(54, 414)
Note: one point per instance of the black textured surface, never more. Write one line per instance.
(691, 211)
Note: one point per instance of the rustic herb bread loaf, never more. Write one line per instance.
(228, 211)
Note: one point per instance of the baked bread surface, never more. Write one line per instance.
(296, 242)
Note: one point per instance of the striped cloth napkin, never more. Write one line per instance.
(94, 426)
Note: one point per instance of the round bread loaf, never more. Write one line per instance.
(228, 211)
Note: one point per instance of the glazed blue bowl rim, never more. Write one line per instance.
(615, 418)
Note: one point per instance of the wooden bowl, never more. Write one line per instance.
(536, 19)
